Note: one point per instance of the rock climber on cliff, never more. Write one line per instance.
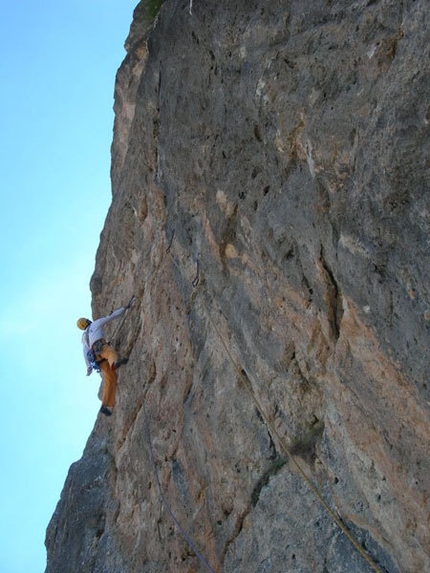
(100, 355)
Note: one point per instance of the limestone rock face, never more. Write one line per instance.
(270, 213)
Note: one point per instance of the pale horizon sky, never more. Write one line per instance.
(59, 62)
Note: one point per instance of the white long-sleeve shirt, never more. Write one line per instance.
(95, 332)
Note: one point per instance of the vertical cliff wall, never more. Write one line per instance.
(270, 213)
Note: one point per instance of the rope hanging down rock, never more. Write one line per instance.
(335, 518)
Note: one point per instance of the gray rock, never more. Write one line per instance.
(270, 212)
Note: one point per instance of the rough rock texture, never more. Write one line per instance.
(271, 214)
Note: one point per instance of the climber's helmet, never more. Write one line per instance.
(83, 323)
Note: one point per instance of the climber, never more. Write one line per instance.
(100, 355)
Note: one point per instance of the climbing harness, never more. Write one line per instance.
(98, 346)
(95, 364)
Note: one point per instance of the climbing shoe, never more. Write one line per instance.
(119, 363)
(105, 410)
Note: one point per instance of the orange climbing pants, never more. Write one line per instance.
(108, 355)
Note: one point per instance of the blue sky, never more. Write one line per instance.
(58, 66)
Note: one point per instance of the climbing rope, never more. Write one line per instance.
(337, 520)
(281, 441)
(182, 531)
